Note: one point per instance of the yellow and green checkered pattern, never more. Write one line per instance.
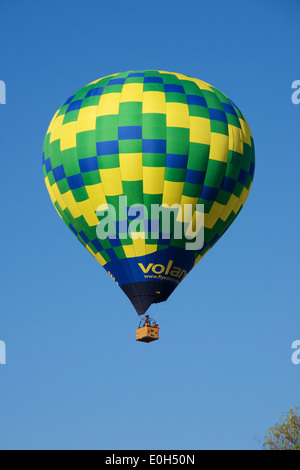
(157, 138)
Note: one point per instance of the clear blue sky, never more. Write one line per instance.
(222, 372)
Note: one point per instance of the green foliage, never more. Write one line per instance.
(285, 435)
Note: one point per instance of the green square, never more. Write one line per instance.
(112, 88)
(130, 114)
(175, 98)
(91, 101)
(156, 160)
(238, 189)
(102, 82)
(134, 192)
(176, 175)
(114, 201)
(90, 232)
(86, 144)
(219, 127)
(134, 80)
(71, 116)
(248, 182)
(51, 178)
(178, 140)
(220, 95)
(63, 186)
(234, 158)
(68, 216)
(232, 171)
(62, 110)
(178, 243)
(152, 73)
(91, 177)
(55, 154)
(154, 126)
(233, 120)
(119, 252)
(207, 204)
(169, 78)
(107, 128)
(223, 197)
(150, 199)
(199, 111)
(154, 87)
(192, 190)
(131, 146)
(107, 162)
(248, 157)
(198, 156)
(239, 114)
(69, 158)
(212, 100)
(127, 240)
(80, 194)
(191, 88)
(215, 173)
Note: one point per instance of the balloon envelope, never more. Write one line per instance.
(128, 151)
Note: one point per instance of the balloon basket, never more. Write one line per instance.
(147, 334)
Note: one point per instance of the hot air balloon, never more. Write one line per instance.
(139, 140)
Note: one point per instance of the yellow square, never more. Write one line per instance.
(154, 102)
(129, 251)
(186, 201)
(245, 131)
(154, 179)
(212, 217)
(219, 147)
(87, 119)
(100, 259)
(109, 104)
(71, 204)
(68, 136)
(150, 249)
(56, 127)
(244, 195)
(131, 165)
(58, 197)
(202, 85)
(178, 115)
(111, 180)
(52, 122)
(50, 191)
(96, 195)
(132, 92)
(172, 193)
(88, 213)
(235, 139)
(139, 246)
(230, 206)
(200, 130)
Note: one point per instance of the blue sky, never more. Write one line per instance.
(222, 372)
